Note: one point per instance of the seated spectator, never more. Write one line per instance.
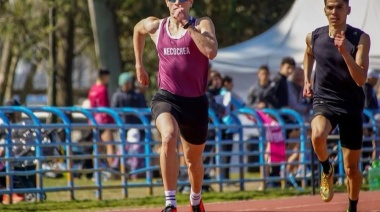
(261, 95)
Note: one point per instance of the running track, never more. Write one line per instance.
(369, 201)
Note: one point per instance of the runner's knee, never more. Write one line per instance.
(318, 136)
(195, 165)
(352, 172)
(169, 140)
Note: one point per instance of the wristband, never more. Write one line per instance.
(190, 22)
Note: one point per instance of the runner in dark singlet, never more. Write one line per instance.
(341, 55)
(180, 107)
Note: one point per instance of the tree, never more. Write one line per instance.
(27, 30)
(66, 36)
(5, 64)
(21, 28)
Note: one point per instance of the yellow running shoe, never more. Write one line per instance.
(327, 185)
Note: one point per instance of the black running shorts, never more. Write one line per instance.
(191, 114)
(350, 125)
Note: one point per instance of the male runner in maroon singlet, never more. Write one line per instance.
(180, 107)
(341, 54)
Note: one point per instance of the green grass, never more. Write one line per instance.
(86, 201)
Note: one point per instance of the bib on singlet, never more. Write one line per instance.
(183, 69)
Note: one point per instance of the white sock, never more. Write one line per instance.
(170, 198)
(195, 198)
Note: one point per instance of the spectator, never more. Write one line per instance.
(215, 83)
(372, 104)
(231, 102)
(296, 100)
(227, 134)
(213, 91)
(261, 95)
(281, 83)
(126, 96)
(303, 106)
(281, 93)
(98, 97)
(369, 91)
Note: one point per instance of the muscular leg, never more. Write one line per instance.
(354, 177)
(320, 129)
(168, 128)
(194, 161)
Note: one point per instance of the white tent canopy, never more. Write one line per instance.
(287, 38)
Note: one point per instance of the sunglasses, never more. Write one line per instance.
(180, 1)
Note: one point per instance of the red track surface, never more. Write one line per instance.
(369, 201)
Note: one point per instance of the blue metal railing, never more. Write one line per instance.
(148, 154)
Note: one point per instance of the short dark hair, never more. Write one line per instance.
(345, 1)
(103, 72)
(288, 60)
(227, 79)
(265, 68)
